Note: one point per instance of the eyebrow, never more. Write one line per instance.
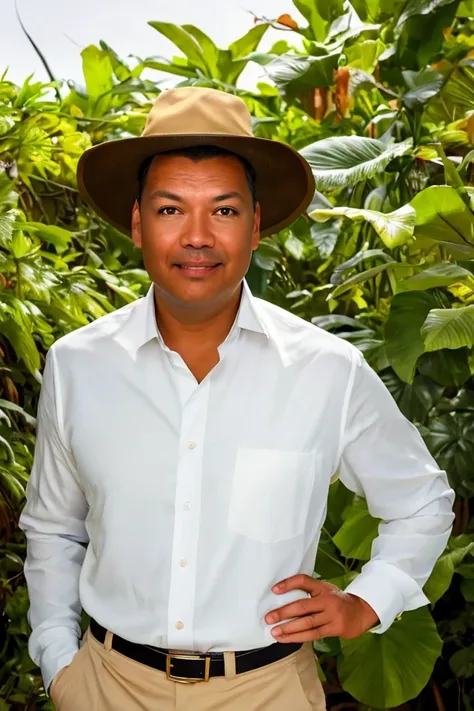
(228, 196)
(176, 198)
(166, 194)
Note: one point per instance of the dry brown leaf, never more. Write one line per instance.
(320, 102)
(342, 77)
(287, 21)
(10, 390)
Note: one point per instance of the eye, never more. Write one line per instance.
(227, 211)
(168, 211)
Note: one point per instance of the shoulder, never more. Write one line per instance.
(301, 339)
(96, 333)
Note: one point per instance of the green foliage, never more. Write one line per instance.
(204, 62)
(395, 228)
(384, 258)
(345, 161)
(399, 662)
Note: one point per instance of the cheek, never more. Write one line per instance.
(239, 247)
(156, 244)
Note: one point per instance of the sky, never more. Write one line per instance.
(62, 28)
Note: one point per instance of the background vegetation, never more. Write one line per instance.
(379, 97)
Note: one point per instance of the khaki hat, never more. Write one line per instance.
(193, 116)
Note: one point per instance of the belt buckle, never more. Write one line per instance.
(189, 657)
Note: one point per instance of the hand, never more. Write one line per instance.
(56, 679)
(329, 612)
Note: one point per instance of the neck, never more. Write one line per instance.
(208, 325)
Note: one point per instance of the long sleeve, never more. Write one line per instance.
(53, 520)
(385, 460)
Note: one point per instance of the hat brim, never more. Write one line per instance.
(107, 175)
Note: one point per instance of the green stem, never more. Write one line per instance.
(18, 286)
(334, 560)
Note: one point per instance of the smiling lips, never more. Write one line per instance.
(197, 269)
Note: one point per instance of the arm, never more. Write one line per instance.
(385, 460)
(53, 521)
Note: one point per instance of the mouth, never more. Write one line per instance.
(197, 270)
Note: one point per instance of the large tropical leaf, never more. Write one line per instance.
(386, 670)
(349, 26)
(7, 405)
(299, 73)
(333, 321)
(7, 222)
(249, 42)
(403, 340)
(23, 344)
(456, 98)
(360, 277)
(365, 55)
(443, 217)
(365, 255)
(164, 65)
(422, 86)
(53, 234)
(343, 161)
(209, 49)
(449, 328)
(446, 367)
(374, 10)
(358, 531)
(188, 45)
(121, 71)
(442, 274)
(440, 579)
(421, 7)
(320, 14)
(325, 237)
(415, 399)
(394, 228)
(98, 72)
(451, 442)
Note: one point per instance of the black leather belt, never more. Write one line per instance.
(186, 668)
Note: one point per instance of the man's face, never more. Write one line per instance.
(196, 227)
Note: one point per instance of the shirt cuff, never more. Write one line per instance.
(388, 590)
(57, 655)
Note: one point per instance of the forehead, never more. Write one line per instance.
(175, 167)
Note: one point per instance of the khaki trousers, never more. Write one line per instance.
(101, 679)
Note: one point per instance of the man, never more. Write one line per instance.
(187, 441)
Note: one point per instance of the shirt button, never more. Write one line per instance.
(187, 505)
(183, 562)
(179, 625)
(191, 445)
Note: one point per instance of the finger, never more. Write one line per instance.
(305, 606)
(308, 636)
(300, 582)
(314, 622)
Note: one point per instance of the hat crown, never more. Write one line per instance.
(197, 110)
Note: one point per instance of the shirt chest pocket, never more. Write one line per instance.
(271, 492)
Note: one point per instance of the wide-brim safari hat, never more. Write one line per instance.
(192, 116)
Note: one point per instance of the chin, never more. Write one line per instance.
(192, 294)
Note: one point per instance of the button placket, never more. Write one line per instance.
(187, 517)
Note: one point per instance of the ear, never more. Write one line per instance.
(256, 228)
(136, 225)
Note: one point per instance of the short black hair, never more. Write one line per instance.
(197, 153)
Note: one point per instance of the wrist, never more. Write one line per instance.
(367, 613)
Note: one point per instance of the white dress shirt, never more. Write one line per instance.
(194, 499)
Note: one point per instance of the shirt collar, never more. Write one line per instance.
(141, 326)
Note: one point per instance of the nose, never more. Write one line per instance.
(198, 231)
